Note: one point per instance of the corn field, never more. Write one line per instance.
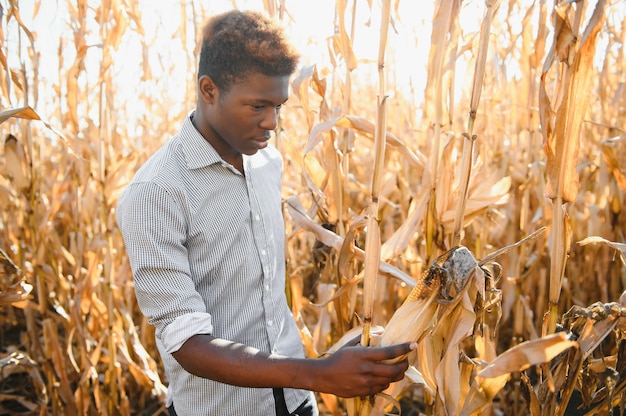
(460, 181)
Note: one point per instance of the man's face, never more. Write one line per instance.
(240, 120)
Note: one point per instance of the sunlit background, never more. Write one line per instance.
(111, 81)
(161, 62)
(155, 58)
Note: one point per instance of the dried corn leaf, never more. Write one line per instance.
(54, 352)
(481, 394)
(411, 320)
(449, 378)
(16, 167)
(445, 15)
(428, 355)
(479, 68)
(353, 334)
(11, 399)
(142, 375)
(15, 293)
(329, 238)
(620, 248)
(366, 126)
(565, 37)
(405, 233)
(343, 45)
(455, 326)
(7, 263)
(614, 152)
(14, 13)
(14, 76)
(21, 112)
(527, 354)
(480, 198)
(593, 324)
(300, 87)
(562, 146)
(19, 362)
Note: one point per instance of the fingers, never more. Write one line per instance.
(391, 362)
(366, 386)
(382, 380)
(375, 389)
(387, 364)
(367, 370)
(392, 351)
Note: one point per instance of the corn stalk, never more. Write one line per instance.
(442, 27)
(562, 131)
(346, 42)
(469, 136)
(372, 242)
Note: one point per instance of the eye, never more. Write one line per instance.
(261, 107)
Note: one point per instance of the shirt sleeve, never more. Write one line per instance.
(153, 224)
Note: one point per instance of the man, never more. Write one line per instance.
(203, 228)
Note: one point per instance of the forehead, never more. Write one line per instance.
(257, 86)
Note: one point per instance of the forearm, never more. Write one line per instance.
(240, 365)
(349, 372)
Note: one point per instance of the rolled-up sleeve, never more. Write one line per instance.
(152, 220)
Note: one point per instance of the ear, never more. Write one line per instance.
(207, 90)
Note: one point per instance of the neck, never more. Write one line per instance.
(235, 159)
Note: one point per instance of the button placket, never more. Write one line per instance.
(261, 240)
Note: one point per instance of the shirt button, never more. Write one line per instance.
(256, 217)
(270, 323)
(267, 287)
(263, 252)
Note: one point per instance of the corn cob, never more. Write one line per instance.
(441, 283)
(426, 284)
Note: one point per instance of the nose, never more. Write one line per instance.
(270, 119)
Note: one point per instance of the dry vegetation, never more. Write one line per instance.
(521, 160)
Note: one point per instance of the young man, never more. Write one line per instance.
(203, 228)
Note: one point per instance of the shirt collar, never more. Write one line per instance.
(198, 151)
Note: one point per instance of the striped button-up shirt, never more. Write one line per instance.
(206, 248)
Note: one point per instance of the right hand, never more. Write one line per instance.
(357, 371)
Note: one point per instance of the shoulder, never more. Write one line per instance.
(166, 168)
(161, 176)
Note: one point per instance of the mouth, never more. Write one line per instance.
(262, 141)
